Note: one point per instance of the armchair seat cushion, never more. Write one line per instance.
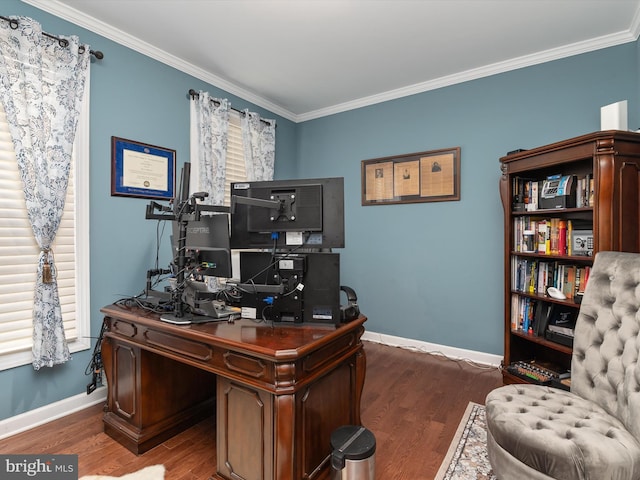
(560, 434)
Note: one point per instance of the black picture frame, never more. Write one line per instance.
(142, 170)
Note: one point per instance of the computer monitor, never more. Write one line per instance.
(207, 247)
(287, 214)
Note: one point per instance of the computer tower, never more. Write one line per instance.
(321, 292)
(292, 288)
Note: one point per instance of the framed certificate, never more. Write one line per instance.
(142, 170)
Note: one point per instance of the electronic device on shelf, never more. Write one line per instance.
(558, 337)
(558, 191)
(285, 214)
(541, 374)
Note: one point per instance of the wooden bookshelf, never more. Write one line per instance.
(609, 163)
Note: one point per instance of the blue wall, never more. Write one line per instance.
(430, 272)
(134, 97)
(433, 271)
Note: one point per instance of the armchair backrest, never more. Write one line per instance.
(604, 366)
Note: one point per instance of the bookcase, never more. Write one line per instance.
(562, 203)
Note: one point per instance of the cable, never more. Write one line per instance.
(438, 353)
(95, 366)
(274, 261)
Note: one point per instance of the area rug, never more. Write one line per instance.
(154, 472)
(467, 456)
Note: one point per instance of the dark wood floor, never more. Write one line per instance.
(412, 402)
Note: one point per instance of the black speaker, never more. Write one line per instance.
(350, 311)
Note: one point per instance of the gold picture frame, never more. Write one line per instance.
(431, 176)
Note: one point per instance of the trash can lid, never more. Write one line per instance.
(354, 442)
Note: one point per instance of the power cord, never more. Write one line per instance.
(95, 366)
(436, 353)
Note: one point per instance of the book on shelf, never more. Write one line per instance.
(562, 237)
(569, 280)
(533, 197)
(583, 190)
(553, 237)
(543, 237)
(535, 276)
(529, 315)
(582, 276)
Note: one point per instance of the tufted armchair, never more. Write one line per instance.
(593, 431)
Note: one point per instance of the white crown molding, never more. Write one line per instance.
(486, 71)
(67, 13)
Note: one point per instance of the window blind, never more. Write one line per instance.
(236, 169)
(19, 255)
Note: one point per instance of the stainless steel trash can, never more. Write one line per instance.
(353, 453)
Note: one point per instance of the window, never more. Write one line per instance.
(19, 252)
(236, 168)
(236, 172)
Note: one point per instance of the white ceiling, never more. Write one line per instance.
(305, 59)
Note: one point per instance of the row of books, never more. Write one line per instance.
(551, 236)
(535, 317)
(525, 315)
(532, 194)
(534, 276)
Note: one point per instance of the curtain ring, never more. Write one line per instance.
(13, 23)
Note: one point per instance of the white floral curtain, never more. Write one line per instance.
(209, 133)
(259, 141)
(41, 85)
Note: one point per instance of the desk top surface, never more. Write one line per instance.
(271, 339)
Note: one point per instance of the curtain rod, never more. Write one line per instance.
(13, 23)
(193, 93)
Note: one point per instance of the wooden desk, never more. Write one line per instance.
(278, 391)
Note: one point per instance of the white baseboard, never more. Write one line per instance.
(53, 411)
(433, 348)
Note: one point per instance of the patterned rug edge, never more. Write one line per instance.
(467, 457)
